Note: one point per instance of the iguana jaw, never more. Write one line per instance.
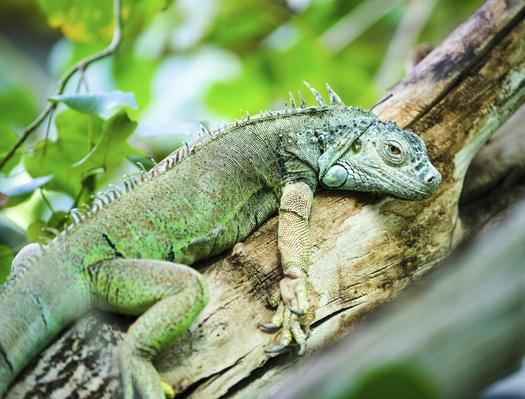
(348, 177)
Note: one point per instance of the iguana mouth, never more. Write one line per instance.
(409, 186)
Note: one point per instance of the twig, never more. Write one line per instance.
(79, 66)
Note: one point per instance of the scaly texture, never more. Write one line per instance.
(128, 253)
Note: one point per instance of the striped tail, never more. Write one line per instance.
(34, 307)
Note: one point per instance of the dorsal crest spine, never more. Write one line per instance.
(130, 182)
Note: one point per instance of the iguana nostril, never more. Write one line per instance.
(432, 178)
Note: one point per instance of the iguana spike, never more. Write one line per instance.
(115, 189)
(292, 100)
(334, 98)
(141, 166)
(205, 130)
(301, 99)
(317, 96)
(75, 215)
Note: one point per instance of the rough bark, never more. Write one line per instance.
(366, 248)
(446, 338)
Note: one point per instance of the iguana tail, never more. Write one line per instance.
(37, 302)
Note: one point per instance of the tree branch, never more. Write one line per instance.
(455, 332)
(366, 248)
(78, 67)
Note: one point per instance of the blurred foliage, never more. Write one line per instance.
(180, 61)
(393, 381)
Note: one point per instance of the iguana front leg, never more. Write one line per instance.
(294, 247)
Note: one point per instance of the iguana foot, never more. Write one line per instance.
(291, 309)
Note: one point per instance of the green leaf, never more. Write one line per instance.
(102, 104)
(91, 21)
(57, 220)
(6, 258)
(35, 233)
(112, 146)
(85, 143)
(77, 135)
(20, 193)
(55, 158)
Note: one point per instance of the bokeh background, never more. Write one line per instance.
(185, 61)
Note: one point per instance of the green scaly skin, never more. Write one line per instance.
(129, 253)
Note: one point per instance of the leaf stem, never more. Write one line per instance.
(78, 67)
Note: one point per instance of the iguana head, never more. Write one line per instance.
(382, 158)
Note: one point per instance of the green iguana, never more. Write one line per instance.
(129, 253)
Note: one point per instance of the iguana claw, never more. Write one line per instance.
(293, 304)
(268, 327)
(276, 349)
(299, 313)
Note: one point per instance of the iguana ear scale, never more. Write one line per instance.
(334, 98)
(317, 96)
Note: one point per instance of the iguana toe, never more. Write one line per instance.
(302, 349)
(169, 393)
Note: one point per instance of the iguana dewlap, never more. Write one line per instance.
(130, 253)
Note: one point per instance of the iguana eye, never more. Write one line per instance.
(393, 152)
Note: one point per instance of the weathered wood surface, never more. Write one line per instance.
(366, 248)
(455, 332)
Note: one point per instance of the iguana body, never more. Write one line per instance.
(128, 254)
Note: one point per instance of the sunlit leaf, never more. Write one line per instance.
(97, 103)
(20, 193)
(91, 21)
(112, 146)
(86, 129)
(35, 232)
(85, 142)
(55, 158)
(77, 135)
